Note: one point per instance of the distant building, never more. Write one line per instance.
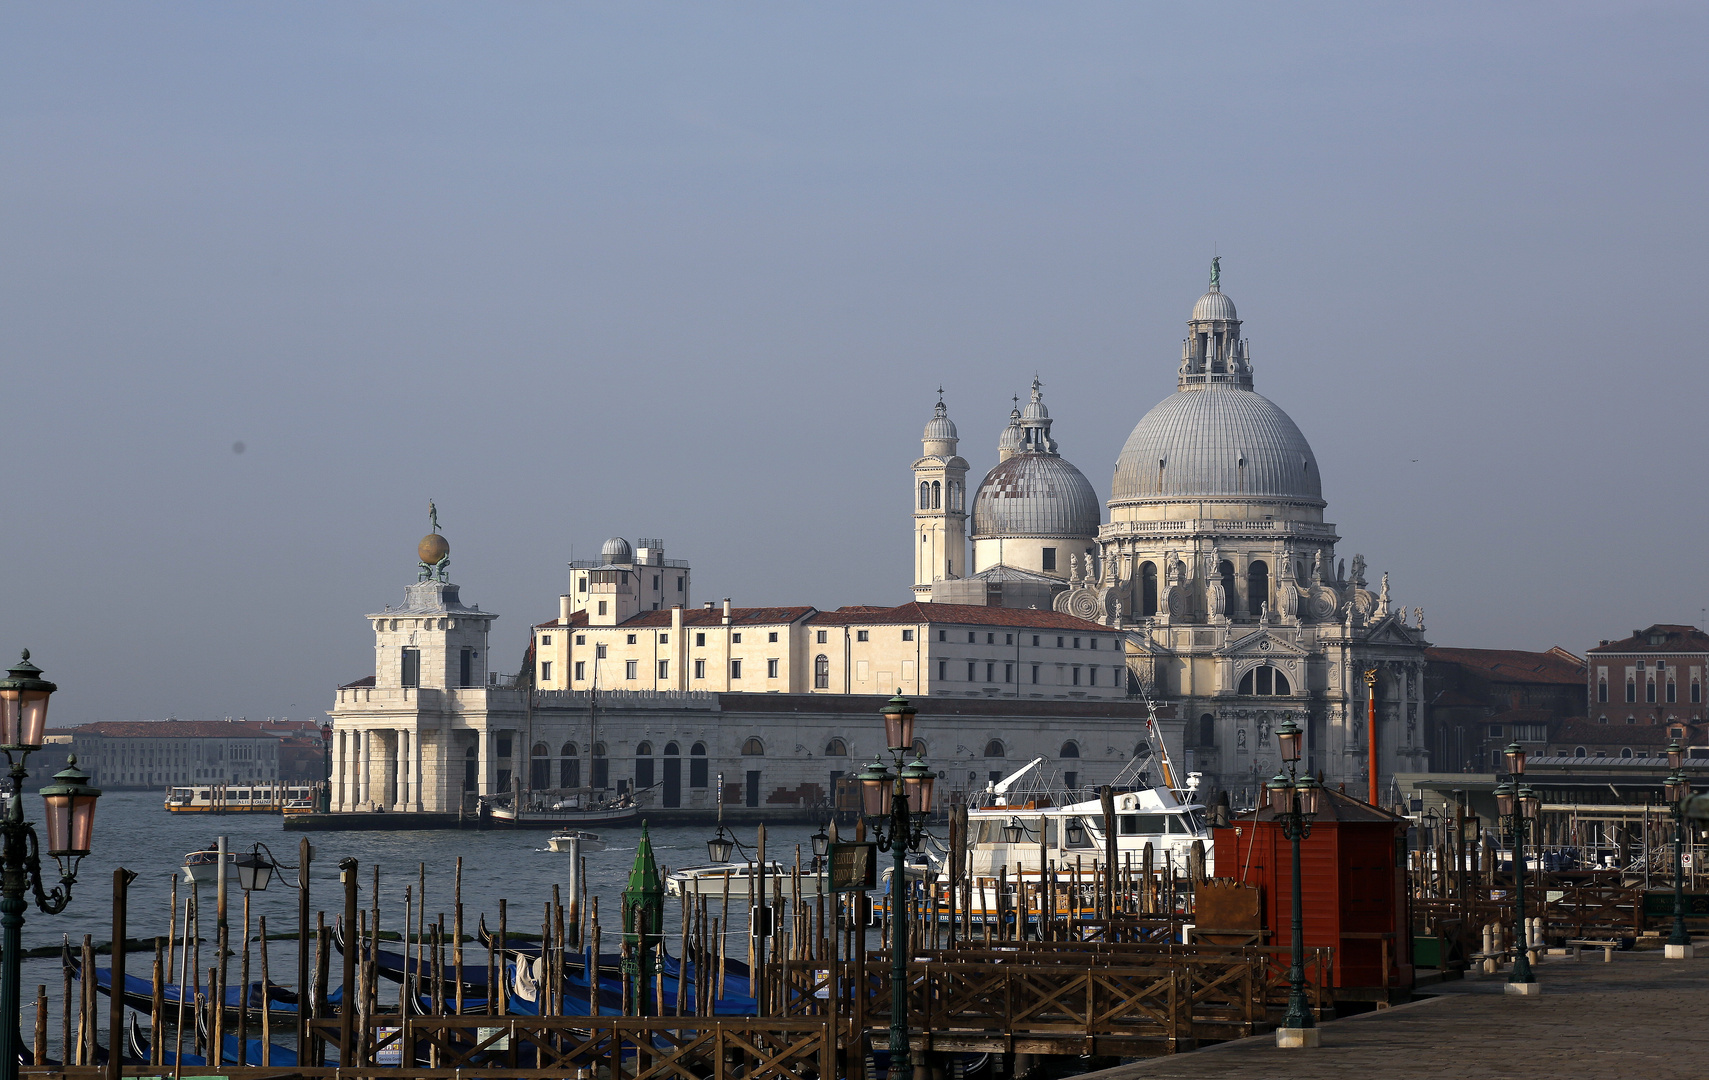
(161, 753)
(1655, 676)
(1482, 699)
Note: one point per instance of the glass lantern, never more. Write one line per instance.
(1515, 755)
(1278, 789)
(875, 781)
(1529, 803)
(917, 782)
(899, 723)
(255, 870)
(1289, 737)
(1310, 794)
(1675, 756)
(23, 706)
(69, 812)
(1504, 799)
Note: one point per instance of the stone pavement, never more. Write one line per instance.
(1639, 1017)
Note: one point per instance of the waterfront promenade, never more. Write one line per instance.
(1640, 1016)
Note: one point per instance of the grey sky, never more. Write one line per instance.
(695, 271)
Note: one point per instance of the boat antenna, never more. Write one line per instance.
(1159, 746)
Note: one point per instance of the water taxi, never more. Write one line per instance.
(239, 798)
(587, 840)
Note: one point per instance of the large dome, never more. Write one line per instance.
(1216, 442)
(1035, 494)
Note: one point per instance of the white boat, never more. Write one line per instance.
(563, 841)
(203, 867)
(565, 814)
(239, 798)
(709, 880)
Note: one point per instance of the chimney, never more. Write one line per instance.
(564, 609)
(726, 611)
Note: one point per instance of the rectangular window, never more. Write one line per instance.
(1050, 558)
(972, 671)
(1035, 674)
(664, 669)
(1650, 691)
(679, 580)
(943, 670)
(1035, 641)
(545, 639)
(697, 772)
(1094, 643)
(1076, 643)
(546, 671)
(664, 639)
(943, 635)
(771, 669)
(1495, 731)
(1008, 639)
(990, 673)
(581, 670)
(1008, 673)
(736, 637)
(602, 607)
(990, 639)
(1696, 692)
(735, 669)
(972, 637)
(631, 669)
(1631, 691)
(1672, 691)
(599, 652)
(699, 640)
(629, 639)
(1059, 642)
(1076, 675)
(655, 589)
(1602, 690)
(907, 635)
(860, 635)
(466, 668)
(1092, 676)
(700, 669)
(581, 639)
(819, 636)
(412, 667)
(771, 636)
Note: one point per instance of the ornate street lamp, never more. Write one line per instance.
(896, 805)
(1015, 832)
(1294, 801)
(718, 848)
(68, 818)
(255, 869)
(1521, 804)
(1677, 789)
(821, 843)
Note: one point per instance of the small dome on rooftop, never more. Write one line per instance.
(617, 550)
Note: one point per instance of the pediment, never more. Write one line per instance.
(1390, 630)
(1264, 642)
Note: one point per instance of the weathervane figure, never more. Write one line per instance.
(432, 516)
(1216, 273)
(434, 551)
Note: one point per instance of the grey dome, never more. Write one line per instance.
(1011, 439)
(617, 550)
(1035, 494)
(1214, 305)
(940, 428)
(1216, 442)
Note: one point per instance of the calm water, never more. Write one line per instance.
(132, 830)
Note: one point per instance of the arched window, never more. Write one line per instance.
(569, 767)
(1625, 751)
(1672, 691)
(540, 750)
(994, 748)
(1257, 586)
(644, 749)
(1207, 730)
(753, 748)
(1264, 681)
(919, 749)
(1578, 751)
(956, 487)
(821, 672)
(1631, 690)
(1225, 571)
(601, 767)
(836, 748)
(1148, 588)
(671, 750)
(937, 495)
(698, 749)
(569, 750)
(539, 767)
(1650, 691)
(925, 495)
(697, 765)
(1069, 749)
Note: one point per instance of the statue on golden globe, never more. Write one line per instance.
(434, 551)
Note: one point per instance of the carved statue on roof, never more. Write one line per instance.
(1216, 272)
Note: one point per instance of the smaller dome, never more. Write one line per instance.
(432, 548)
(1012, 439)
(1214, 305)
(1035, 494)
(617, 550)
(940, 428)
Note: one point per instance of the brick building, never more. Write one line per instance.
(1482, 699)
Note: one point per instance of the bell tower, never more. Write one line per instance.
(940, 505)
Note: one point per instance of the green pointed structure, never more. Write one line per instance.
(643, 907)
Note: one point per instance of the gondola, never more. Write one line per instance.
(281, 1055)
(395, 965)
(138, 992)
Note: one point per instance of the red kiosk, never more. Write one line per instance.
(1353, 889)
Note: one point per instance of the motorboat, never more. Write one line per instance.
(203, 867)
(712, 879)
(566, 814)
(565, 841)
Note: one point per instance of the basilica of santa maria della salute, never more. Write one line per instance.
(1211, 590)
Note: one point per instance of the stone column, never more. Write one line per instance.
(415, 800)
(364, 769)
(484, 770)
(401, 786)
(336, 779)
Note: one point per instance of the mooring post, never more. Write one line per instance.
(122, 879)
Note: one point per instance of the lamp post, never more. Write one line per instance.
(895, 805)
(1677, 789)
(69, 818)
(1294, 802)
(1520, 803)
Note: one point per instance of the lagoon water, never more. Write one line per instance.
(133, 830)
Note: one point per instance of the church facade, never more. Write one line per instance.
(1217, 565)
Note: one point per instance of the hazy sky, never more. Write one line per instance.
(696, 270)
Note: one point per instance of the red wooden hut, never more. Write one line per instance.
(1352, 886)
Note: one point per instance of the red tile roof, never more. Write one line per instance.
(175, 729)
(1513, 665)
(963, 614)
(1676, 639)
(714, 616)
(577, 618)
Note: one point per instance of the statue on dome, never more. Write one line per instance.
(1216, 273)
